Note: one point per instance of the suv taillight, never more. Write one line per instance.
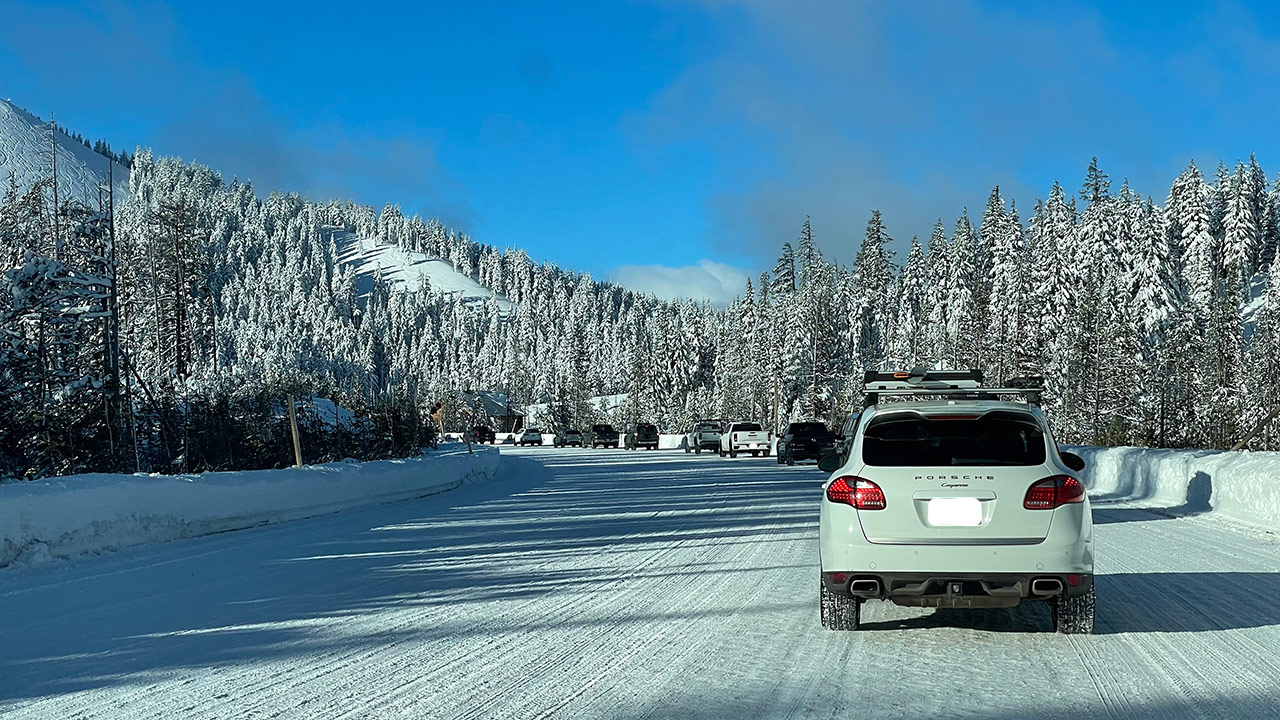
(858, 492)
(1053, 492)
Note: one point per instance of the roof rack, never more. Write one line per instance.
(950, 384)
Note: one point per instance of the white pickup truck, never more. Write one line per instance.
(705, 435)
(745, 437)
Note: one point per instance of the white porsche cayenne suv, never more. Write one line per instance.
(956, 496)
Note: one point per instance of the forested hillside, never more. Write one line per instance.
(171, 338)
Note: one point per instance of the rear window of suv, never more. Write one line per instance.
(996, 438)
(808, 428)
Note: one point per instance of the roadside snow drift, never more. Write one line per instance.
(79, 514)
(1242, 486)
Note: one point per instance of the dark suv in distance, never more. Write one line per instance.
(805, 441)
(565, 438)
(483, 434)
(643, 435)
(602, 435)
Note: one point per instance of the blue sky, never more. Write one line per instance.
(670, 145)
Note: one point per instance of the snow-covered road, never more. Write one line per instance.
(613, 584)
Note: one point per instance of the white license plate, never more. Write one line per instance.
(955, 512)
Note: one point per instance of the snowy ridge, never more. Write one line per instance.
(1240, 486)
(408, 270)
(24, 151)
(81, 514)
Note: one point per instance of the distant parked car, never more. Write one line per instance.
(745, 437)
(805, 441)
(565, 438)
(602, 435)
(483, 434)
(642, 435)
(529, 436)
(705, 435)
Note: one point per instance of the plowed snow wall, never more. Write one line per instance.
(1243, 486)
(77, 514)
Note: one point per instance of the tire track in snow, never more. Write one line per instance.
(1256, 680)
(1104, 682)
(548, 672)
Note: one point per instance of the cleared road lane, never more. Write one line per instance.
(615, 584)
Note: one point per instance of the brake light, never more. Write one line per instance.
(1053, 492)
(735, 437)
(857, 492)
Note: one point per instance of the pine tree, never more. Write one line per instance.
(784, 273)
(910, 340)
(873, 274)
(938, 298)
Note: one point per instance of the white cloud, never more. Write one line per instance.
(707, 280)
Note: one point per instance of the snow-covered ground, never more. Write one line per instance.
(79, 514)
(408, 270)
(623, 585)
(24, 151)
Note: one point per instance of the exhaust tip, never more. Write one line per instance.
(865, 587)
(1046, 586)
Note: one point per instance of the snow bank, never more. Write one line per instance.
(671, 442)
(1243, 486)
(78, 514)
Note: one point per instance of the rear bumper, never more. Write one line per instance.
(1066, 549)
(957, 590)
(801, 452)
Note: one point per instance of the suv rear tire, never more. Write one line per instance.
(1073, 615)
(838, 612)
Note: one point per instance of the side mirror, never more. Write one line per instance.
(1073, 461)
(829, 463)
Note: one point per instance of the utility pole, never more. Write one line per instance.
(293, 425)
(113, 315)
(53, 152)
(776, 399)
